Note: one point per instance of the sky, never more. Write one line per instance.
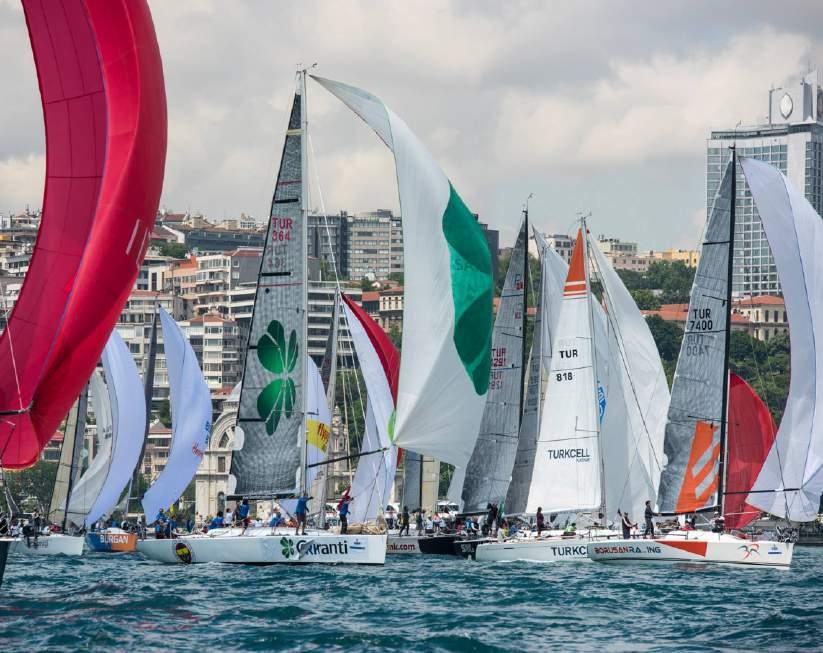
(592, 106)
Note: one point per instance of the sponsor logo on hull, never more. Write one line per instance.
(578, 551)
(627, 549)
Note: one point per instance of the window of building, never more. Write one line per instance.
(221, 464)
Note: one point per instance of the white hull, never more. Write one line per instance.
(267, 548)
(543, 549)
(49, 545)
(695, 547)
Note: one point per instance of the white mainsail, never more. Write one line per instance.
(87, 488)
(568, 446)
(791, 481)
(129, 419)
(191, 414)
(448, 296)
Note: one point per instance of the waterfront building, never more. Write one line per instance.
(791, 139)
(766, 314)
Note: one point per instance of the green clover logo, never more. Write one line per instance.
(277, 398)
(288, 547)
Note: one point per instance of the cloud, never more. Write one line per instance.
(21, 182)
(647, 110)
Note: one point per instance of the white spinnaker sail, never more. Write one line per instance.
(375, 472)
(448, 296)
(567, 475)
(87, 488)
(191, 414)
(791, 480)
(636, 362)
(128, 411)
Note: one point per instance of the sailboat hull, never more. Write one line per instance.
(269, 549)
(425, 544)
(544, 549)
(695, 547)
(49, 545)
(112, 541)
(5, 545)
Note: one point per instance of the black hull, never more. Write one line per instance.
(437, 545)
(468, 548)
(5, 545)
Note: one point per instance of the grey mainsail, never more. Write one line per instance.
(71, 458)
(272, 398)
(489, 471)
(692, 444)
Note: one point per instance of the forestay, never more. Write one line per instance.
(489, 471)
(692, 444)
(191, 414)
(272, 401)
(448, 296)
(791, 481)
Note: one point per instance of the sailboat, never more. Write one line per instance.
(598, 430)
(696, 475)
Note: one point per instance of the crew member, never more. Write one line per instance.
(344, 514)
(300, 513)
(648, 514)
(541, 521)
(404, 521)
(217, 522)
(626, 523)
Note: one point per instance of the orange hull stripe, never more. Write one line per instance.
(698, 548)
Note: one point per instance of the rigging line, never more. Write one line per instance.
(323, 211)
(6, 312)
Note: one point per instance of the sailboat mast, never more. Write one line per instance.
(79, 435)
(148, 387)
(724, 411)
(523, 355)
(304, 218)
(595, 397)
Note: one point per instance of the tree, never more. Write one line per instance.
(667, 336)
(174, 250)
(446, 473)
(395, 334)
(645, 299)
(366, 284)
(32, 488)
(398, 277)
(164, 413)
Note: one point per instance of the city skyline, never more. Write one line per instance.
(486, 87)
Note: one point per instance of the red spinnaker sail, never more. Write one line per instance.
(386, 351)
(751, 434)
(104, 107)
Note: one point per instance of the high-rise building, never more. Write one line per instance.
(792, 141)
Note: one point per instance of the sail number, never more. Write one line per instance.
(565, 376)
(700, 319)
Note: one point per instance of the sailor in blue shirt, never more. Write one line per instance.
(217, 522)
(276, 519)
(300, 513)
(159, 524)
(344, 514)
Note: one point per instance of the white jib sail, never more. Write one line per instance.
(637, 456)
(87, 488)
(128, 410)
(448, 302)
(791, 480)
(191, 414)
(567, 473)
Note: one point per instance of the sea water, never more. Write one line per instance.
(413, 603)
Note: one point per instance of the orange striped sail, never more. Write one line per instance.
(576, 279)
(700, 481)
